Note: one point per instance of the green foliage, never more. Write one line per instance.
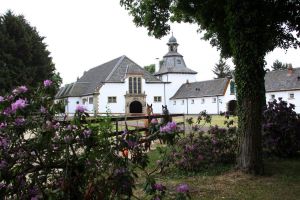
(221, 69)
(244, 30)
(281, 125)
(201, 150)
(150, 68)
(24, 59)
(277, 65)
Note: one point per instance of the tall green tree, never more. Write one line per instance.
(150, 68)
(245, 30)
(221, 69)
(24, 59)
(277, 65)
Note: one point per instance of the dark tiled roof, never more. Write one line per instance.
(112, 71)
(280, 80)
(208, 88)
(173, 62)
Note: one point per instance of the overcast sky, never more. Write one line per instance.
(83, 34)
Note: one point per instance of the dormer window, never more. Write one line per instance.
(135, 85)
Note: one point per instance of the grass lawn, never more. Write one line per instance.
(281, 181)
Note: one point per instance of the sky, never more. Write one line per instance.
(84, 34)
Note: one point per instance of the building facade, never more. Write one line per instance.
(121, 86)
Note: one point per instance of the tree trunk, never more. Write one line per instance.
(247, 38)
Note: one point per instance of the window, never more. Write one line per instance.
(182, 102)
(91, 100)
(272, 96)
(202, 101)
(214, 100)
(84, 101)
(232, 87)
(193, 101)
(112, 99)
(135, 85)
(291, 96)
(157, 99)
(178, 61)
(174, 102)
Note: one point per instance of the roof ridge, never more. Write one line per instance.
(115, 67)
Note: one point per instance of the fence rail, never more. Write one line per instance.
(118, 119)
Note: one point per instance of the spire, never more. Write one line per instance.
(172, 44)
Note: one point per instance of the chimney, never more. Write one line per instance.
(290, 69)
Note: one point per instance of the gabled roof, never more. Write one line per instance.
(282, 80)
(114, 71)
(216, 87)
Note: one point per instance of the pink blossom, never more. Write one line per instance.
(19, 121)
(47, 83)
(80, 109)
(20, 89)
(182, 188)
(154, 121)
(3, 125)
(43, 109)
(19, 104)
(1, 99)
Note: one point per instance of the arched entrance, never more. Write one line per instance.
(231, 107)
(135, 107)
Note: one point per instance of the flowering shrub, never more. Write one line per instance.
(202, 149)
(43, 158)
(281, 125)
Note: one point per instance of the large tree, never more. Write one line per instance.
(221, 69)
(245, 30)
(24, 59)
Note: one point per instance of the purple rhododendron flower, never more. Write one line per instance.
(3, 164)
(67, 139)
(170, 127)
(87, 133)
(43, 109)
(159, 187)
(20, 89)
(80, 109)
(3, 142)
(56, 126)
(6, 111)
(19, 121)
(182, 188)
(19, 104)
(154, 121)
(1, 99)
(3, 125)
(47, 83)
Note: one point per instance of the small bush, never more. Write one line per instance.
(281, 135)
(203, 149)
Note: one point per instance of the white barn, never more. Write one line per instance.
(121, 86)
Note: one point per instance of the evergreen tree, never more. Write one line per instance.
(150, 68)
(245, 30)
(277, 65)
(24, 59)
(221, 69)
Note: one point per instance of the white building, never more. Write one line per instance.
(121, 86)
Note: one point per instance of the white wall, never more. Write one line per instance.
(285, 96)
(89, 107)
(187, 106)
(152, 90)
(72, 103)
(112, 89)
(119, 90)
